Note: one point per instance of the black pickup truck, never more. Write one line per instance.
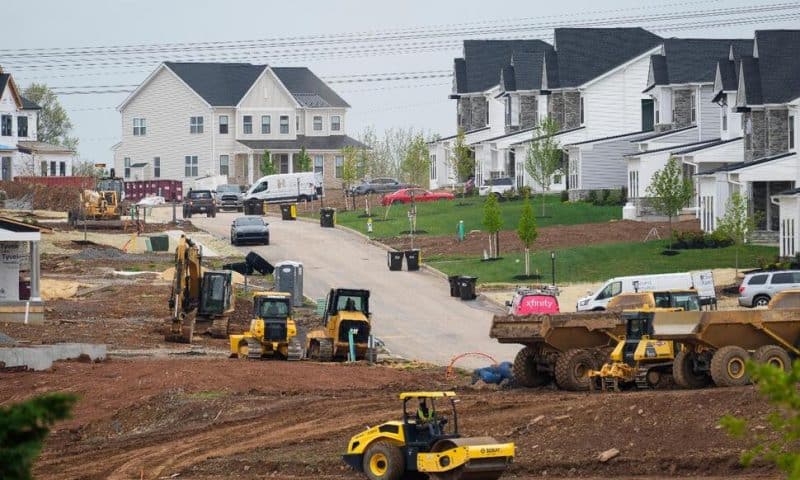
(199, 201)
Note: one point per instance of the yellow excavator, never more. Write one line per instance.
(273, 333)
(346, 317)
(201, 301)
(427, 441)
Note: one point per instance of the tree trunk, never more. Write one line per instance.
(527, 262)
(669, 245)
(543, 203)
(497, 244)
(490, 246)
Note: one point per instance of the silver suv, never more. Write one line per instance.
(757, 289)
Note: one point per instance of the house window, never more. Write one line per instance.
(247, 124)
(582, 116)
(223, 124)
(432, 159)
(22, 127)
(52, 168)
(791, 131)
(156, 167)
(318, 164)
(195, 124)
(336, 123)
(5, 123)
(284, 123)
(224, 165)
(266, 124)
(694, 108)
(317, 123)
(43, 169)
(190, 166)
(139, 127)
(339, 162)
(62, 169)
(127, 166)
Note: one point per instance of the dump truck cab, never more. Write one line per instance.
(346, 314)
(272, 330)
(427, 440)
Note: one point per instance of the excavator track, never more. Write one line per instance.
(479, 469)
(295, 350)
(641, 378)
(253, 349)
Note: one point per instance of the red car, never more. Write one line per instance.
(408, 195)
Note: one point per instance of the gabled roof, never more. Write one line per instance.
(738, 166)
(28, 104)
(26, 146)
(749, 85)
(331, 142)
(524, 72)
(778, 52)
(483, 60)
(7, 82)
(557, 134)
(672, 148)
(663, 134)
(308, 89)
(707, 146)
(605, 139)
(582, 54)
(692, 60)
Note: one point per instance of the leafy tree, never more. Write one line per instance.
(349, 169)
(85, 169)
(23, 428)
(267, 167)
(416, 164)
(54, 123)
(544, 156)
(527, 232)
(303, 161)
(782, 446)
(736, 223)
(462, 160)
(670, 191)
(493, 223)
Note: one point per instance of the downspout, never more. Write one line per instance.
(214, 145)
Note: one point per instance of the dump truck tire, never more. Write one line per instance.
(773, 355)
(384, 461)
(572, 370)
(728, 366)
(524, 370)
(683, 372)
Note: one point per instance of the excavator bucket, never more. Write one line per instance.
(181, 330)
(477, 458)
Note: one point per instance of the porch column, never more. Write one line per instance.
(34, 247)
(291, 162)
(251, 164)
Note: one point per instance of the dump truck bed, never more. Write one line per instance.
(561, 331)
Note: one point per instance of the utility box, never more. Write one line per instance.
(289, 279)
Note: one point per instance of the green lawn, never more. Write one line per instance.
(600, 262)
(441, 218)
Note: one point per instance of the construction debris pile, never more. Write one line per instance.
(23, 196)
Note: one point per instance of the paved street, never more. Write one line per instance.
(412, 311)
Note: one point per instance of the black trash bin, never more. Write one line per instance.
(454, 290)
(254, 206)
(258, 263)
(288, 211)
(412, 260)
(327, 217)
(395, 260)
(466, 287)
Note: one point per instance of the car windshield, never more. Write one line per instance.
(228, 189)
(204, 194)
(249, 221)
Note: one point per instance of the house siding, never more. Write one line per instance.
(603, 165)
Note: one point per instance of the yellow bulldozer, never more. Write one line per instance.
(426, 441)
(98, 208)
(345, 322)
(201, 300)
(273, 333)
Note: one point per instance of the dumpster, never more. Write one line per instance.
(253, 206)
(327, 217)
(454, 292)
(395, 260)
(288, 211)
(412, 260)
(466, 287)
(289, 279)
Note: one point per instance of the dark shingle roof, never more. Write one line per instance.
(727, 73)
(674, 148)
(331, 142)
(28, 104)
(604, 139)
(459, 75)
(736, 166)
(483, 60)
(224, 84)
(658, 70)
(586, 53)
(449, 137)
(703, 147)
(778, 53)
(663, 134)
(4, 78)
(750, 70)
(692, 60)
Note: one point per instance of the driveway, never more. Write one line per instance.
(413, 312)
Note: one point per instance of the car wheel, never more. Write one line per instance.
(761, 301)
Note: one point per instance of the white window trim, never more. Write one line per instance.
(196, 123)
(139, 126)
(336, 172)
(338, 124)
(321, 165)
(193, 163)
(227, 164)
(280, 123)
(227, 124)
(156, 167)
(314, 123)
(244, 125)
(268, 125)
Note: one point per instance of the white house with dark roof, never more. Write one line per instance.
(188, 120)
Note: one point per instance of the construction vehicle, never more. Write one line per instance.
(716, 345)
(201, 301)
(97, 209)
(346, 317)
(273, 333)
(426, 442)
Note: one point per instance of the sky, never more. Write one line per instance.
(420, 103)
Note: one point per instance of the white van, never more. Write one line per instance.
(286, 187)
(702, 281)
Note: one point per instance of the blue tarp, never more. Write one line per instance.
(494, 374)
(6, 147)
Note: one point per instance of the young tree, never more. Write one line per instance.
(493, 223)
(54, 124)
(303, 161)
(267, 167)
(670, 191)
(23, 428)
(544, 156)
(781, 446)
(416, 164)
(349, 170)
(736, 223)
(527, 232)
(85, 168)
(462, 160)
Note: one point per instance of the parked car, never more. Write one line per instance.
(528, 301)
(286, 187)
(249, 229)
(499, 186)
(230, 196)
(199, 201)
(408, 195)
(758, 288)
(377, 185)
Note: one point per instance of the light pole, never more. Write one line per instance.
(553, 266)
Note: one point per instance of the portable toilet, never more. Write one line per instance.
(289, 278)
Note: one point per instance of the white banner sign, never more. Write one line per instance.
(10, 255)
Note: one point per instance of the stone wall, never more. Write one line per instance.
(479, 108)
(682, 108)
(528, 112)
(663, 127)
(777, 131)
(572, 109)
(555, 107)
(758, 144)
(464, 112)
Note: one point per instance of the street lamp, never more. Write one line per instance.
(553, 266)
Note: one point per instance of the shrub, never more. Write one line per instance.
(623, 195)
(604, 194)
(697, 240)
(591, 197)
(564, 196)
(525, 191)
(613, 198)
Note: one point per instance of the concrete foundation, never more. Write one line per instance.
(42, 357)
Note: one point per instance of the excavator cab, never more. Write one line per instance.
(215, 293)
